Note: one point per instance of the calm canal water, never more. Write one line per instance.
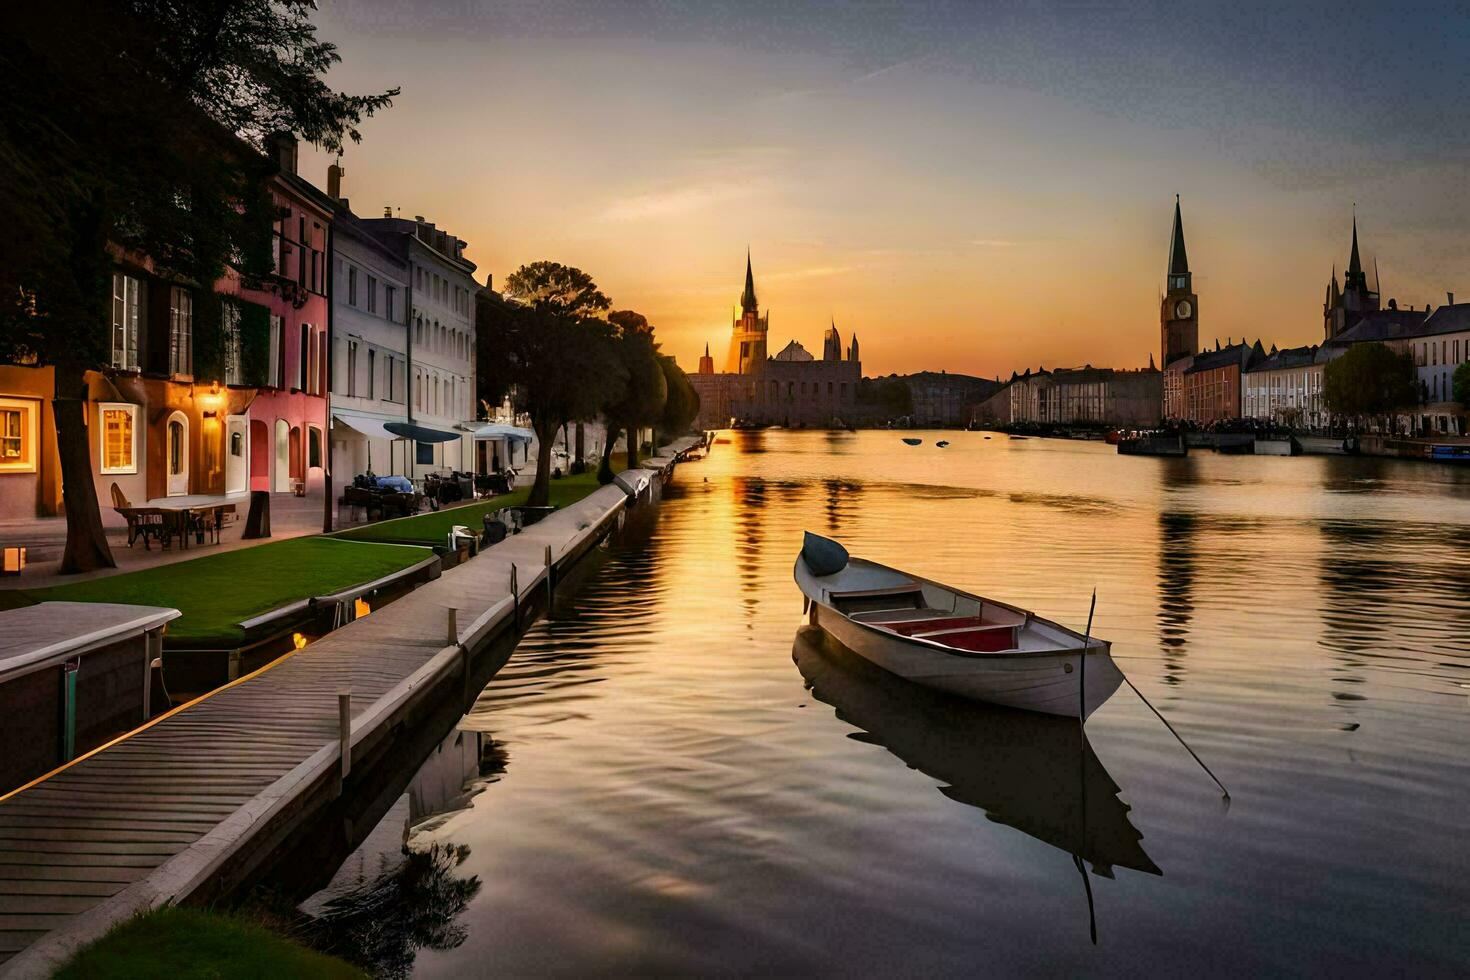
(682, 779)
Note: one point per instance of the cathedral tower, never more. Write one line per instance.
(832, 344)
(1179, 312)
(748, 332)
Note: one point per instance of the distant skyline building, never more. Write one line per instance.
(793, 388)
(1346, 306)
(1179, 308)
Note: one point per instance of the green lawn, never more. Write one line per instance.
(185, 944)
(217, 591)
(432, 527)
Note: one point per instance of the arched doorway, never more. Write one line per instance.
(177, 449)
(281, 477)
(260, 455)
(237, 454)
(298, 473)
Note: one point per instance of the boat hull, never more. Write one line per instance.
(1050, 683)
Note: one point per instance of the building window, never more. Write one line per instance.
(277, 376)
(180, 331)
(352, 285)
(313, 446)
(118, 433)
(372, 295)
(127, 303)
(372, 373)
(388, 293)
(351, 368)
(230, 328)
(19, 435)
(303, 366)
(177, 456)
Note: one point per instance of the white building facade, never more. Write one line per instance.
(441, 344)
(1439, 347)
(370, 353)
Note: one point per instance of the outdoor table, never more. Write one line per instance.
(182, 516)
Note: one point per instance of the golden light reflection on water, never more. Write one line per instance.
(675, 798)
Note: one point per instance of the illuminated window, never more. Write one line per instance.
(18, 435)
(119, 435)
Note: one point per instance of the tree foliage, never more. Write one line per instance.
(641, 402)
(556, 289)
(1461, 382)
(681, 407)
(890, 397)
(1370, 379)
(134, 129)
(557, 363)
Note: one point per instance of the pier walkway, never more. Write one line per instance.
(188, 805)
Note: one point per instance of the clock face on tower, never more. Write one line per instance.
(1182, 309)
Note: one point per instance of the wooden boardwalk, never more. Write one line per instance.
(150, 819)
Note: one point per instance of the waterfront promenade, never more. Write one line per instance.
(193, 804)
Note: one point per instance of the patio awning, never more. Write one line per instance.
(420, 433)
(496, 430)
(368, 425)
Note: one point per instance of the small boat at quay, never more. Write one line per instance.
(942, 443)
(1153, 444)
(940, 637)
(910, 441)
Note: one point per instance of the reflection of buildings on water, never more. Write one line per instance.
(1178, 561)
(749, 530)
(1033, 772)
(1362, 591)
(839, 503)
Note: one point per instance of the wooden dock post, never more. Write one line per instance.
(451, 634)
(153, 650)
(550, 583)
(344, 730)
(515, 595)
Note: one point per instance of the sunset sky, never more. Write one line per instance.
(969, 189)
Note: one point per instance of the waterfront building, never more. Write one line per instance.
(994, 410)
(1284, 388)
(1439, 345)
(942, 399)
(369, 346)
(1212, 382)
(793, 388)
(285, 443)
(1087, 396)
(441, 404)
(208, 391)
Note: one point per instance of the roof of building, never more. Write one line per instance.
(747, 298)
(794, 352)
(1239, 354)
(1178, 259)
(1278, 360)
(1380, 325)
(1446, 319)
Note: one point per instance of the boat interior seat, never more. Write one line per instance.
(886, 617)
(931, 624)
(984, 639)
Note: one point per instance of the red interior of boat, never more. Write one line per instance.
(911, 627)
(988, 639)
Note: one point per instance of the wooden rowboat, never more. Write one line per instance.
(911, 441)
(950, 640)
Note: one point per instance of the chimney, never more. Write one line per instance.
(283, 147)
(387, 210)
(334, 181)
(1449, 299)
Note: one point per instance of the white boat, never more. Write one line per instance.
(950, 640)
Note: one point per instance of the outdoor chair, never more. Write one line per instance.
(143, 522)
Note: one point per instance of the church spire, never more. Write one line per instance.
(747, 298)
(1355, 264)
(1178, 259)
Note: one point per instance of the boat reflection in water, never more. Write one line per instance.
(1036, 773)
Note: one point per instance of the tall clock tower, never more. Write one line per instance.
(1179, 313)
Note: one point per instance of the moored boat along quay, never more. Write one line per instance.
(297, 757)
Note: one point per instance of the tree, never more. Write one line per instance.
(681, 406)
(136, 127)
(549, 351)
(641, 400)
(1461, 382)
(1370, 379)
